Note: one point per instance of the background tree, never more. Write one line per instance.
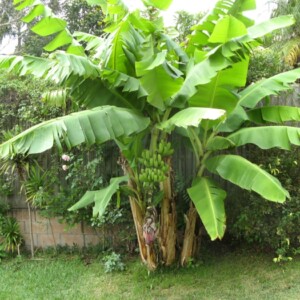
(184, 23)
(10, 23)
(288, 39)
(138, 86)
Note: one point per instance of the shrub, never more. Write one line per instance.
(264, 63)
(112, 262)
(10, 232)
(269, 225)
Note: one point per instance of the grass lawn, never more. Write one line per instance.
(230, 275)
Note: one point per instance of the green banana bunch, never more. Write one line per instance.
(165, 148)
(154, 169)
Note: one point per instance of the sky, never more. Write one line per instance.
(261, 13)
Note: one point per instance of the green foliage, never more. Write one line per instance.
(10, 232)
(112, 262)
(267, 226)
(264, 63)
(79, 16)
(138, 85)
(4, 207)
(10, 24)
(53, 276)
(20, 101)
(82, 17)
(6, 184)
(286, 42)
(100, 198)
(38, 186)
(184, 21)
(3, 253)
(67, 181)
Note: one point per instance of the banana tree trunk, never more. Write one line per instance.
(147, 252)
(168, 219)
(190, 240)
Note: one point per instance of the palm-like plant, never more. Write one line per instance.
(288, 40)
(19, 164)
(10, 231)
(138, 86)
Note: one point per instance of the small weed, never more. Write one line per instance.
(112, 262)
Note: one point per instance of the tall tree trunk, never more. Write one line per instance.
(21, 173)
(53, 237)
(30, 229)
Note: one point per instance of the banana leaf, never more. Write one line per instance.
(91, 126)
(101, 198)
(266, 137)
(209, 202)
(247, 175)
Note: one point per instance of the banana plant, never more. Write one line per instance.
(139, 86)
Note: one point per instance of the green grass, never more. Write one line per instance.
(230, 275)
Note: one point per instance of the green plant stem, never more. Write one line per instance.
(196, 144)
(202, 166)
(196, 152)
(165, 118)
(153, 140)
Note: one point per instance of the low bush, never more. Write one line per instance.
(267, 225)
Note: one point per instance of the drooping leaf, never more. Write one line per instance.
(204, 29)
(35, 12)
(92, 126)
(160, 86)
(62, 39)
(46, 23)
(262, 29)
(251, 95)
(234, 121)
(247, 175)
(218, 93)
(101, 198)
(58, 67)
(117, 59)
(191, 116)
(48, 26)
(160, 4)
(150, 63)
(209, 202)
(201, 73)
(141, 23)
(56, 98)
(173, 46)
(219, 143)
(226, 29)
(96, 2)
(266, 137)
(275, 114)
